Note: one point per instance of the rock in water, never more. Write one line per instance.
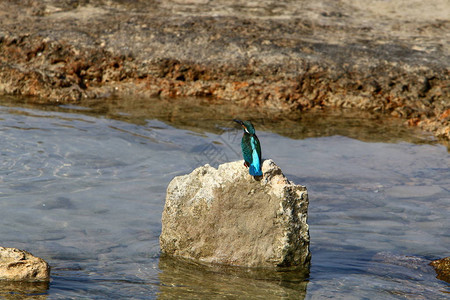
(442, 267)
(19, 265)
(226, 216)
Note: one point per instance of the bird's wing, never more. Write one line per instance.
(255, 166)
(258, 147)
(246, 149)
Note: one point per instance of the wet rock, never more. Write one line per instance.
(20, 265)
(442, 267)
(405, 263)
(228, 217)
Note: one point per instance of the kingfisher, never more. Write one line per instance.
(251, 148)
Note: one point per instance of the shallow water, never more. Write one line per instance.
(83, 187)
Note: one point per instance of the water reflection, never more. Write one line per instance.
(213, 116)
(13, 290)
(183, 279)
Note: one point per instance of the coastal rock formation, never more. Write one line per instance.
(227, 216)
(20, 265)
(377, 56)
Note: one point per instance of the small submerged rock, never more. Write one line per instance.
(226, 216)
(20, 265)
(442, 267)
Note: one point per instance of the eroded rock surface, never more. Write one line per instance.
(226, 216)
(20, 265)
(386, 56)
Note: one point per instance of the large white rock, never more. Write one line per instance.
(226, 216)
(20, 265)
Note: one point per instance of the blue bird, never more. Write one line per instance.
(251, 148)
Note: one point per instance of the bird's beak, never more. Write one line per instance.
(242, 124)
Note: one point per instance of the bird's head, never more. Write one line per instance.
(247, 126)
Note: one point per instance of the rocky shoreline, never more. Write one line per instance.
(380, 56)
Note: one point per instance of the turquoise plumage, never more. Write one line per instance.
(251, 148)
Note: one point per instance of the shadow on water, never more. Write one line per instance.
(181, 279)
(205, 115)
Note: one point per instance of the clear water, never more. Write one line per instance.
(83, 187)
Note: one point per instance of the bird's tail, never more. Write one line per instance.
(255, 170)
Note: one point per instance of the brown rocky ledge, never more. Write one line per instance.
(389, 56)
